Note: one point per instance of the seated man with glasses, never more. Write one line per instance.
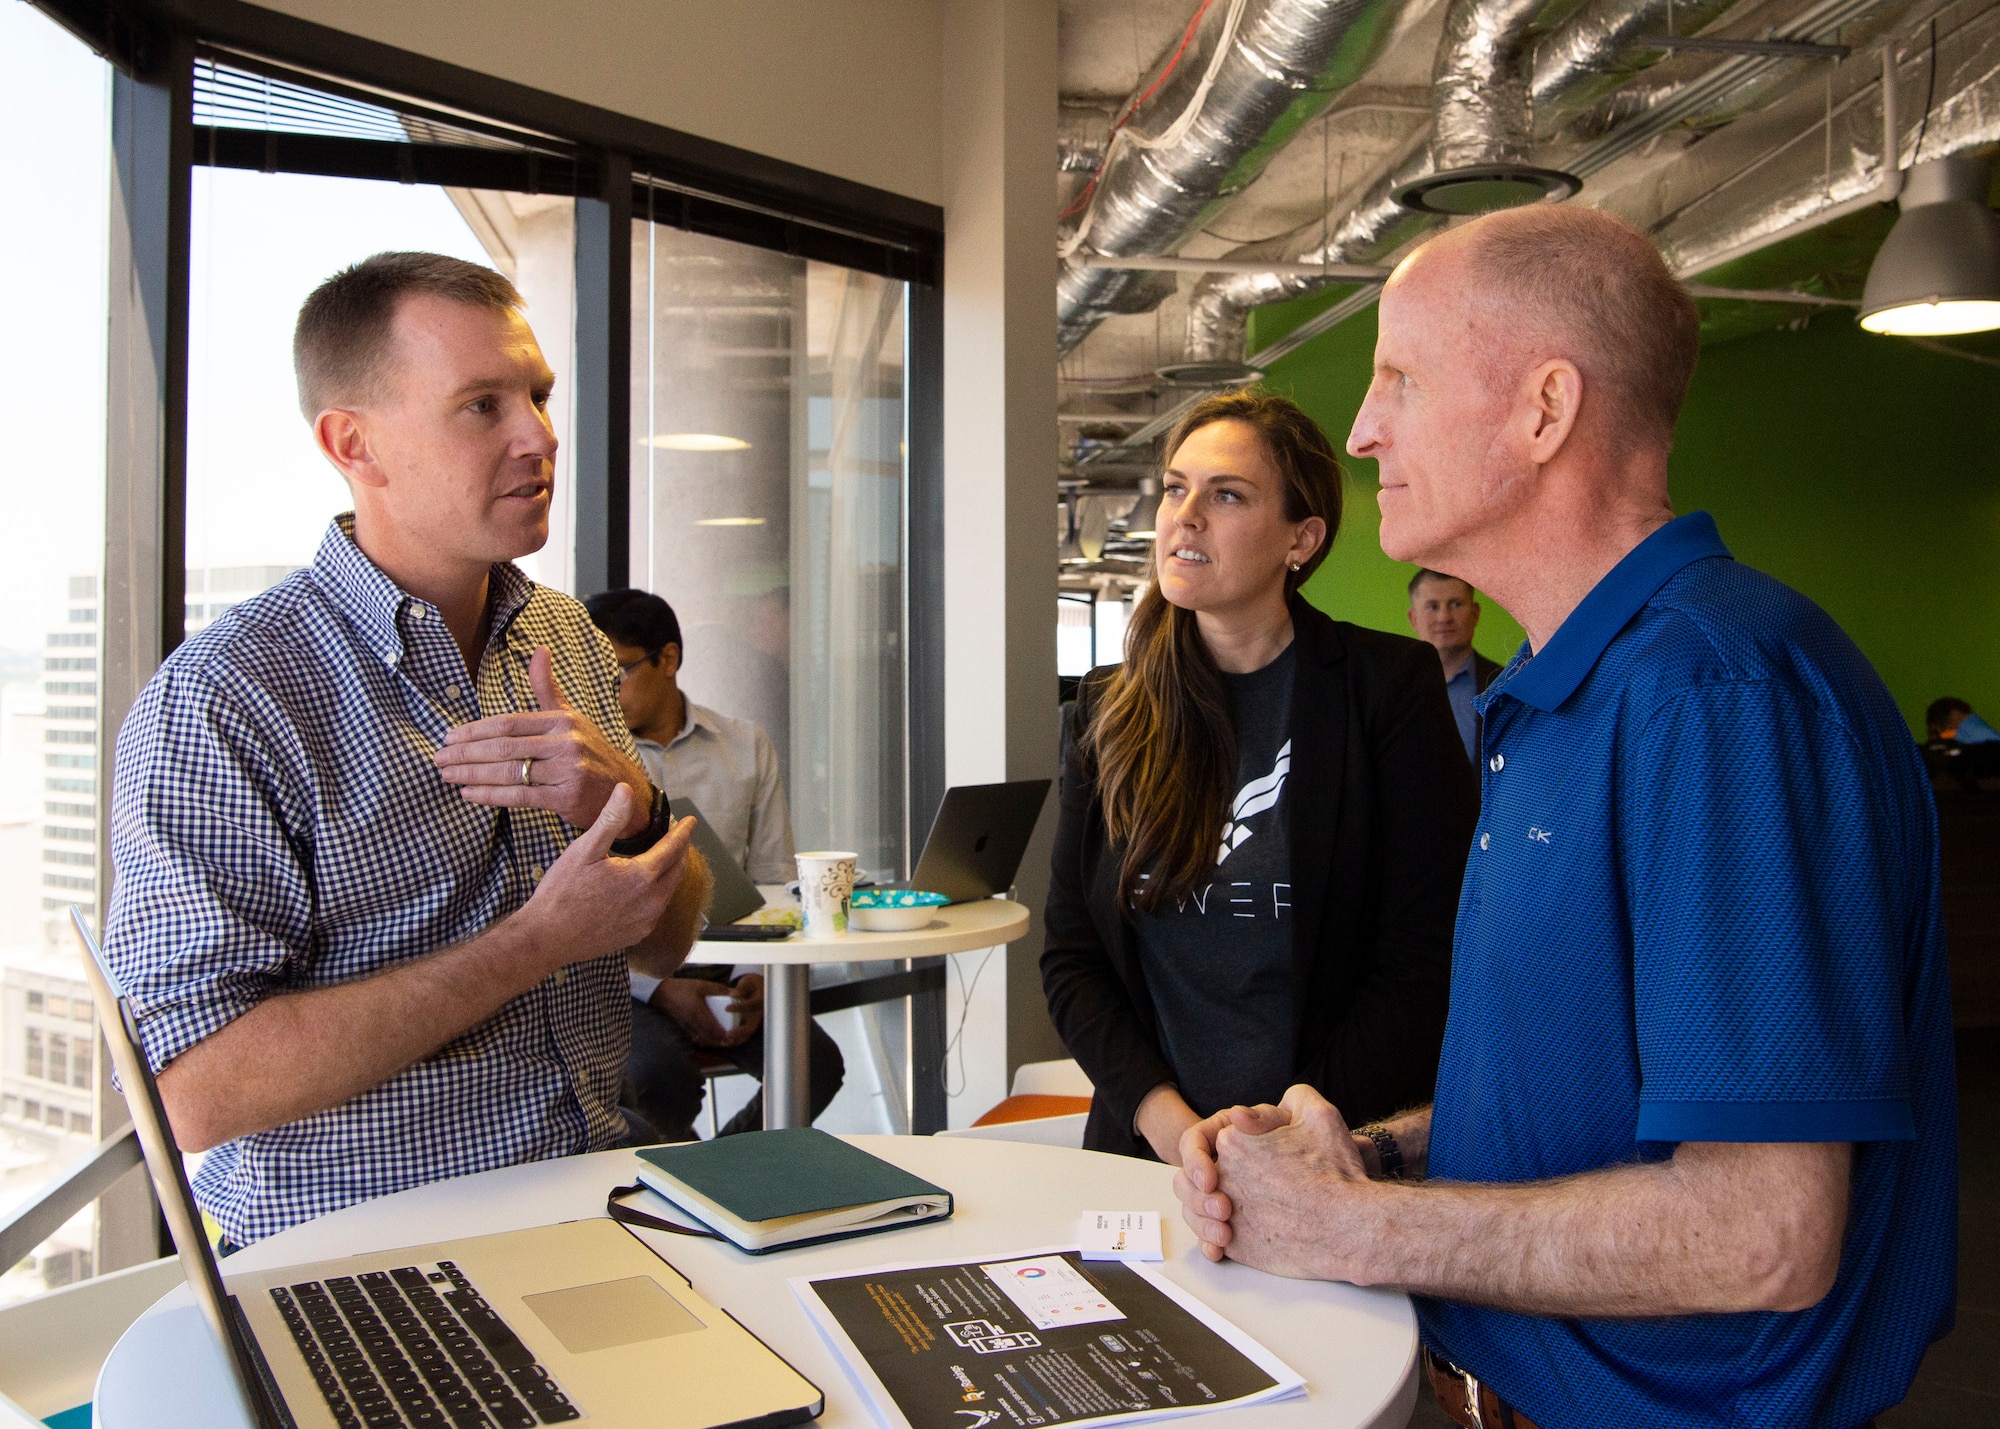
(729, 768)
(383, 844)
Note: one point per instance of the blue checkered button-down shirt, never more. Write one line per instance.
(277, 826)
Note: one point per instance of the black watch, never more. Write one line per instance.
(655, 830)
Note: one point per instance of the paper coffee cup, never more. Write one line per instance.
(825, 881)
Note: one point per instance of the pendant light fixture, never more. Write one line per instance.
(1938, 271)
(1144, 516)
(1092, 524)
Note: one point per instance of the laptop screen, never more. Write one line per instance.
(163, 1161)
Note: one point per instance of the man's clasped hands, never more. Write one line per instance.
(1271, 1185)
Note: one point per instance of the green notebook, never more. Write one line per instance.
(766, 1189)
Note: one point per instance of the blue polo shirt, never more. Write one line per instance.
(1702, 905)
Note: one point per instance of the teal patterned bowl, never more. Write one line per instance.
(891, 910)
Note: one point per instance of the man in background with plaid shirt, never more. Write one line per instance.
(381, 840)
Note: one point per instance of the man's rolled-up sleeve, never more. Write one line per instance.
(1768, 894)
(211, 903)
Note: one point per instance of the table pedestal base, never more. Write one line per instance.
(787, 1048)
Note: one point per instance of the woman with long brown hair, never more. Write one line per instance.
(1265, 815)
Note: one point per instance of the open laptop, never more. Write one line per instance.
(978, 837)
(735, 896)
(570, 1322)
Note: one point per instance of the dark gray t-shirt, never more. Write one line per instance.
(1219, 965)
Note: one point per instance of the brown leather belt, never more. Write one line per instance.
(1468, 1402)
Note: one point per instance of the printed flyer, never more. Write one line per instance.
(1036, 1340)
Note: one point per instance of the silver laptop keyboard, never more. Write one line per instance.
(415, 1348)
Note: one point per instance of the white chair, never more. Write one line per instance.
(57, 1342)
(1049, 1105)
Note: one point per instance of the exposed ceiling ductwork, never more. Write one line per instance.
(1194, 128)
(1481, 117)
(1600, 50)
(1577, 67)
(1817, 154)
(1083, 136)
(1480, 90)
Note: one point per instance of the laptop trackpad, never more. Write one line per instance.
(611, 1313)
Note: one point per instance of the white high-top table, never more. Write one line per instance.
(788, 965)
(1357, 1349)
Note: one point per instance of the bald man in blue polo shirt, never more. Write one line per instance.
(1692, 1158)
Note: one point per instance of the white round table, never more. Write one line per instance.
(955, 928)
(1357, 1349)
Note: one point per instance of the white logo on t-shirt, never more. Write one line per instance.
(1256, 797)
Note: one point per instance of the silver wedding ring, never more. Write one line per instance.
(526, 780)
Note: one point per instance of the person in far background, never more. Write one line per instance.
(1445, 612)
(1960, 744)
(729, 768)
(1953, 719)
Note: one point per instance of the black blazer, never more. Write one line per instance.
(1380, 814)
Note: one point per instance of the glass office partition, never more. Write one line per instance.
(53, 307)
(768, 509)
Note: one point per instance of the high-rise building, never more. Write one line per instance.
(69, 843)
(212, 593)
(48, 1029)
(69, 760)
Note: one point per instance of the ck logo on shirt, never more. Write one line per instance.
(1539, 835)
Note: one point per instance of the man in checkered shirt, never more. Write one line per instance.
(370, 903)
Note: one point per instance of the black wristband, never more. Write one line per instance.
(655, 830)
(1388, 1150)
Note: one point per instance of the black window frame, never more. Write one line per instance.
(591, 154)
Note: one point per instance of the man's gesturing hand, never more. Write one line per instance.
(574, 767)
(1272, 1192)
(590, 904)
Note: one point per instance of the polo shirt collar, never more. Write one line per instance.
(1553, 675)
(375, 604)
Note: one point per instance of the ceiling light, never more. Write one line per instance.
(1093, 522)
(694, 442)
(1483, 188)
(1938, 271)
(1143, 517)
(1210, 374)
(732, 521)
(1068, 549)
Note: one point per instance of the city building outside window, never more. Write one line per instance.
(53, 283)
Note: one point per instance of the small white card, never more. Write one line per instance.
(1048, 1290)
(1119, 1235)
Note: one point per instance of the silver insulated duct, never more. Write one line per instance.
(1819, 153)
(1477, 83)
(1482, 117)
(1174, 157)
(1490, 91)
(1597, 51)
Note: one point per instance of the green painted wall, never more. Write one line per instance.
(1864, 471)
